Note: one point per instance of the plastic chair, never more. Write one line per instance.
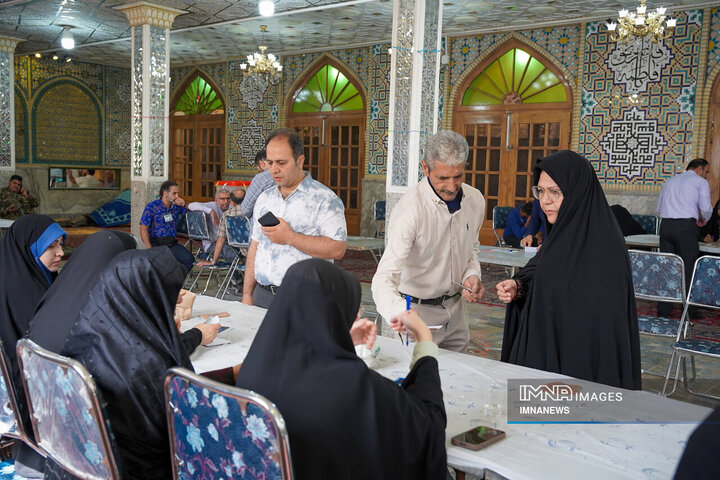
(197, 229)
(181, 230)
(658, 277)
(211, 423)
(704, 292)
(197, 233)
(11, 422)
(379, 217)
(66, 413)
(649, 223)
(238, 237)
(499, 217)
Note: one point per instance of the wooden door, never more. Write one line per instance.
(198, 151)
(335, 156)
(501, 162)
(712, 146)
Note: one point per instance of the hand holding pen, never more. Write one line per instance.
(472, 289)
(411, 323)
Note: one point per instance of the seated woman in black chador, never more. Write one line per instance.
(126, 337)
(30, 254)
(572, 307)
(710, 232)
(344, 420)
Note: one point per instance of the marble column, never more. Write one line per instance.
(150, 92)
(414, 89)
(7, 109)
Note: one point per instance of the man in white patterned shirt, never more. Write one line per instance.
(312, 221)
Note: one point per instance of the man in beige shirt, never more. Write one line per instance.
(431, 238)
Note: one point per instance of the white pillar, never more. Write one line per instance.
(414, 89)
(150, 91)
(7, 106)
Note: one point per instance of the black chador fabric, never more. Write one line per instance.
(628, 225)
(712, 227)
(58, 309)
(126, 337)
(700, 460)
(344, 420)
(578, 315)
(22, 282)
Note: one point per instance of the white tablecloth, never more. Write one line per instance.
(529, 451)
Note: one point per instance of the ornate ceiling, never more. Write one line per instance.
(223, 29)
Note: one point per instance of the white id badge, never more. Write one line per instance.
(168, 217)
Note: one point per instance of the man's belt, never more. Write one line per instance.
(434, 302)
(274, 289)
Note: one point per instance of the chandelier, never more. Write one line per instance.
(263, 65)
(636, 26)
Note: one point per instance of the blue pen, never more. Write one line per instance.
(408, 302)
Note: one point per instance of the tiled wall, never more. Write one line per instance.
(71, 113)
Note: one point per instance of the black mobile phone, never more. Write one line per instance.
(477, 438)
(222, 329)
(268, 220)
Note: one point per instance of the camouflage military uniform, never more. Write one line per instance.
(9, 199)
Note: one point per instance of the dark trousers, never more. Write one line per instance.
(679, 236)
(180, 253)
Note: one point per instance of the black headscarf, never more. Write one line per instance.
(70, 291)
(628, 225)
(23, 279)
(126, 337)
(338, 412)
(578, 315)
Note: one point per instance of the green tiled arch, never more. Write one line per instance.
(328, 91)
(198, 98)
(515, 77)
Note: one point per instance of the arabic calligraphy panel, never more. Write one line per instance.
(638, 63)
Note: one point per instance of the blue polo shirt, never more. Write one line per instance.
(155, 218)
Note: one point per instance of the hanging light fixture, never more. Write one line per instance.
(261, 64)
(266, 8)
(66, 39)
(641, 24)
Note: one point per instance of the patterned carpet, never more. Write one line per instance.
(706, 327)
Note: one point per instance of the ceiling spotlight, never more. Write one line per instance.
(66, 39)
(266, 8)
(38, 55)
(55, 57)
(68, 59)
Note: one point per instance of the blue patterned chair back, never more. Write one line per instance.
(380, 210)
(66, 413)
(658, 276)
(197, 225)
(211, 423)
(500, 215)
(705, 285)
(10, 422)
(649, 223)
(238, 233)
(181, 226)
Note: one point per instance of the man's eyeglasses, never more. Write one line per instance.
(555, 193)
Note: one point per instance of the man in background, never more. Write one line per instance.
(214, 212)
(684, 206)
(260, 182)
(158, 223)
(15, 201)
